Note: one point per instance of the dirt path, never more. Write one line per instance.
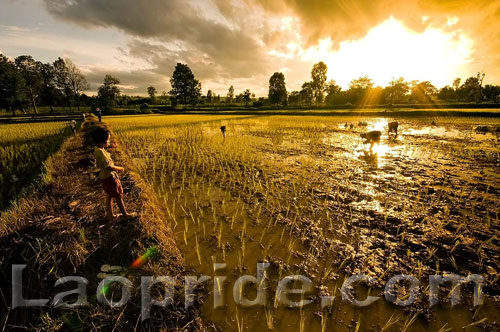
(59, 230)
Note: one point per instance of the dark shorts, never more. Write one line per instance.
(112, 186)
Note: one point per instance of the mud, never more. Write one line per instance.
(305, 194)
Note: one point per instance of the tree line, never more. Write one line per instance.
(362, 91)
(27, 83)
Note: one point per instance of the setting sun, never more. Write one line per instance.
(391, 50)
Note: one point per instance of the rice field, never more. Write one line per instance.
(23, 149)
(305, 194)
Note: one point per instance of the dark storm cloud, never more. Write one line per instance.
(205, 41)
(134, 82)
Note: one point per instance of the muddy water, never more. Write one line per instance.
(214, 223)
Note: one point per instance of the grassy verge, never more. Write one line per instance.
(59, 230)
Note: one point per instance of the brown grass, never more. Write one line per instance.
(59, 230)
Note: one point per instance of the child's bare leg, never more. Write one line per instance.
(121, 206)
(109, 209)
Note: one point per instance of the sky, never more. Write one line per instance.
(243, 42)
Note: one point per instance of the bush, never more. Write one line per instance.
(144, 106)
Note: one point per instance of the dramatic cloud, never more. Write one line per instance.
(212, 41)
(242, 42)
(351, 19)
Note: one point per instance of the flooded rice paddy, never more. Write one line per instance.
(306, 195)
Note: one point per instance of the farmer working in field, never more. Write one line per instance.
(108, 174)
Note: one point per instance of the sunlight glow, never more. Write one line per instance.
(391, 50)
(381, 149)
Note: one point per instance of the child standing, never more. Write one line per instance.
(108, 174)
(72, 125)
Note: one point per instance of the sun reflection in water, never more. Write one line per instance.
(380, 124)
(380, 149)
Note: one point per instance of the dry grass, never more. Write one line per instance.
(59, 230)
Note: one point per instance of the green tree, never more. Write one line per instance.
(447, 93)
(246, 97)
(76, 81)
(230, 94)
(396, 90)
(471, 90)
(318, 76)
(332, 92)
(294, 97)
(422, 92)
(306, 94)
(492, 93)
(152, 93)
(30, 71)
(185, 87)
(109, 91)
(358, 88)
(456, 83)
(48, 92)
(12, 85)
(209, 96)
(61, 79)
(277, 89)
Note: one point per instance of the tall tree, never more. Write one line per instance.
(30, 70)
(246, 97)
(61, 79)
(209, 96)
(306, 94)
(471, 90)
(294, 98)
(332, 92)
(422, 92)
(109, 91)
(76, 81)
(456, 83)
(185, 87)
(152, 93)
(277, 89)
(358, 88)
(48, 92)
(396, 90)
(230, 94)
(12, 85)
(492, 93)
(318, 76)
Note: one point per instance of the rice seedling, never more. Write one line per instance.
(288, 188)
(23, 149)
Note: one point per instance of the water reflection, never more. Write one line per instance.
(372, 156)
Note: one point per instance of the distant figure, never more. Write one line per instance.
(433, 123)
(482, 129)
(371, 137)
(72, 125)
(108, 174)
(223, 131)
(393, 128)
(99, 114)
(362, 124)
(352, 126)
(346, 125)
